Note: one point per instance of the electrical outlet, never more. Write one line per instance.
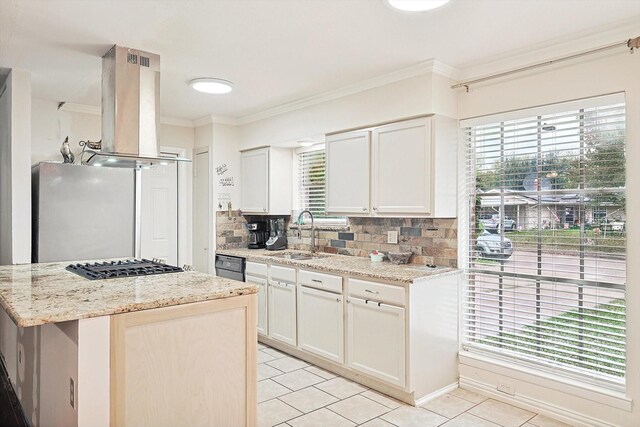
(506, 387)
(392, 237)
(72, 393)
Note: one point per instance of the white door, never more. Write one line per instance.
(401, 171)
(262, 302)
(347, 168)
(320, 323)
(201, 228)
(376, 340)
(255, 181)
(159, 213)
(282, 312)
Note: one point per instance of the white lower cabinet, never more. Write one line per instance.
(376, 340)
(320, 323)
(282, 311)
(262, 302)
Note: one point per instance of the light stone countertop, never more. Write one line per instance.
(347, 265)
(35, 294)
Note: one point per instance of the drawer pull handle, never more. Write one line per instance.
(316, 280)
(372, 292)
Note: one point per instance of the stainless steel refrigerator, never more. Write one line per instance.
(82, 212)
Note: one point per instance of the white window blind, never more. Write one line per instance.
(547, 239)
(311, 186)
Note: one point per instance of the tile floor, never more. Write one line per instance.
(294, 393)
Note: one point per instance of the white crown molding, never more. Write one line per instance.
(73, 107)
(175, 121)
(556, 48)
(212, 118)
(426, 67)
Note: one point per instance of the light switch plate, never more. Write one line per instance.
(392, 237)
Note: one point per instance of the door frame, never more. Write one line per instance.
(210, 216)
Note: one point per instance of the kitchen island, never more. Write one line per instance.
(168, 349)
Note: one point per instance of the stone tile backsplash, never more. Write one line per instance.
(432, 240)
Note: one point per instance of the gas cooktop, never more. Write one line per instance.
(119, 269)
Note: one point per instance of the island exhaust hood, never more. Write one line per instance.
(130, 111)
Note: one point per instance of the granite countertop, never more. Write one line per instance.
(348, 265)
(35, 294)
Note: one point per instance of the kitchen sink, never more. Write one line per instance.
(297, 256)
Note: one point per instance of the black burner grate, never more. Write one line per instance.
(118, 269)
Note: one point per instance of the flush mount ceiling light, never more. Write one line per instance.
(210, 85)
(416, 5)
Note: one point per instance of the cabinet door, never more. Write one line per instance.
(255, 181)
(262, 302)
(347, 169)
(376, 340)
(402, 168)
(282, 312)
(320, 323)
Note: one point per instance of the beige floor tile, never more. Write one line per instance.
(261, 346)
(544, 421)
(321, 418)
(265, 371)
(274, 412)
(264, 357)
(501, 413)
(268, 389)
(449, 406)
(408, 416)
(468, 420)
(308, 399)
(468, 395)
(287, 363)
(341, 387)
(321, 372)
(377, 422)
(275, 353)
(358, 409)
(297, 380)
(383, 399)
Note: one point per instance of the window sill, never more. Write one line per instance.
(565, 384)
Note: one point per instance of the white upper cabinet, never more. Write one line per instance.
(401, 158)
(267, 181)
(348, 173)
(407, 168)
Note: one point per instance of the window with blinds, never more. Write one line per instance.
(546, 264)
(311, 185)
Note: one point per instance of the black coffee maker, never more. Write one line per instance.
(258, 234)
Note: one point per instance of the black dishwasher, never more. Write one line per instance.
(231, 267)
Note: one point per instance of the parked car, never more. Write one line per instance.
(492, 222)
(492, 245)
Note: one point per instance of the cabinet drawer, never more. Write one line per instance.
(256, 269)
(376, 291)
(322, 281)
(284, 274)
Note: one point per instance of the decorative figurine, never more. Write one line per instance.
(65, 150)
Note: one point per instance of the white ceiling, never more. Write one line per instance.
(276, 51)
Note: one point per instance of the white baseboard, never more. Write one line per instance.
(431, 396)
(534, 405)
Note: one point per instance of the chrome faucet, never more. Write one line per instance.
(313, 230)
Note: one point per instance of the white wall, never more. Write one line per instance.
(598, 76)
(15, 174)
(226, 157)
(50, 126)
(423, 94)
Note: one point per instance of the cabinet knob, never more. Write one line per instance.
(375, 209)
(337, 299)
(264, 209)
(364, 209)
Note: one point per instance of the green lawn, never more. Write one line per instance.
(602, 321)
(569, 241)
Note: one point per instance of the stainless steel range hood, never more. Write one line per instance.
(130, 111)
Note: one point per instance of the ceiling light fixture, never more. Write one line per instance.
(210, 85)
(416, 5)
